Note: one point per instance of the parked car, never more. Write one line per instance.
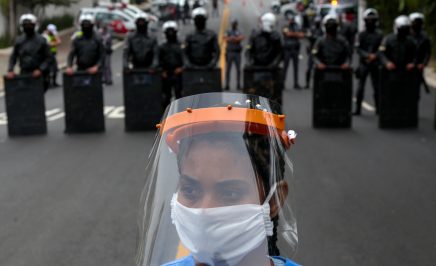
(119, 21)
(346, 8)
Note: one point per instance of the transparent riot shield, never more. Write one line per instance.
(83, 103)
(399, 95)
(264, 81)
(25, 106)
(201, 80)
(142, 100)
(218, 185)
(332, 97)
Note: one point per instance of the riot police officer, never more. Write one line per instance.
(398, 49)
(369, 41)
(332, 49)
(265, 46)
(233, 53)
(141, 49)
(31, 50)
(171, 62)
(315, 33)
(423, 43)
(87, 48)
(201, 46)
(292, 34)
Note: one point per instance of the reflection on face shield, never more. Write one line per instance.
(200, 22)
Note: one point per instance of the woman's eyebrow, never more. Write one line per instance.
(189, 179)
(233, 182)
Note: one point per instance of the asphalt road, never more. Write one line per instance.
(363, 196)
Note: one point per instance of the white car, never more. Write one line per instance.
(120, 22)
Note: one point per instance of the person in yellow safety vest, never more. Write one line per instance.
(51, 34)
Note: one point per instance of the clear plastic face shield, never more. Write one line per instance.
(218, 184)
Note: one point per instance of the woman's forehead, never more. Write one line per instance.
(217, 161)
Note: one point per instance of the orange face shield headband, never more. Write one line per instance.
(222, 119)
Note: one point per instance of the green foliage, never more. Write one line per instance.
(62, 22)
(4, 6)
(33, 5)
(389, 10)
(5, 41)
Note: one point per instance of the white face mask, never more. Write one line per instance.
(223, 235)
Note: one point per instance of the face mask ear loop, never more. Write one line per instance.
(269, 225)
(271, 193)
(173, 206)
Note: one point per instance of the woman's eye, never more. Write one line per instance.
(190, 192)
(231, 196)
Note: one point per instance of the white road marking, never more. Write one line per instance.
(108, 109)
(1, 94)
(117, 45)
(111, 112)
(366, 106)
(56, 117)
(117, 113)
(3, 119)
(52, 112)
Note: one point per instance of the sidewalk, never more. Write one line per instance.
(63, 50)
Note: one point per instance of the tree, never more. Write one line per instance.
(37, 7)
(389, 10)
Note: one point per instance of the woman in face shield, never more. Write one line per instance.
(218, 183)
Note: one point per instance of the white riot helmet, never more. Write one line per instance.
(169, 25)
(268, 22)
(401, 22)
(416, 15)
(143, 16)
(330, 18)
(28, 18)
(86, 17)
(199, 11)
(370, 13)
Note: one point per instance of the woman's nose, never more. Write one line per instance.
(208, 202)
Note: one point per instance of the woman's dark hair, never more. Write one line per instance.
(267, 159)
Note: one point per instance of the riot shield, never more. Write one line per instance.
(332, 96)
(25, 106)
(399, 95)
(264, 81)
(83, 101)
(142, 100)
(201, 80)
